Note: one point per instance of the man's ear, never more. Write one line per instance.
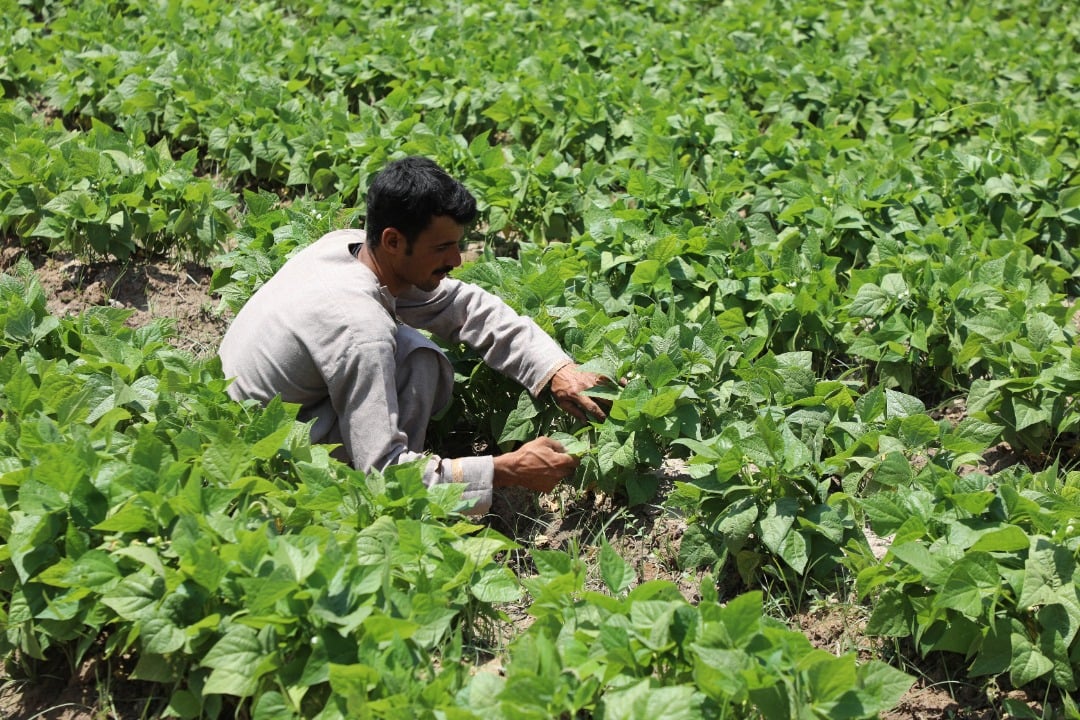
(393, 241)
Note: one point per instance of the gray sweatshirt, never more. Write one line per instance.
(322, 333)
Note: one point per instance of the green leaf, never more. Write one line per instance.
(698, 548)
(891, 616)
(741, 618)
(779, 535)
(995, 652)
(1010, 538)
(135, 597)
(1027, 664)
(133, 517)
(352, 682)
(662, 404)
(160, 636)
(616, 573)
(1049, 578)
(918, 431)
(1026, 412)
(933, 566)
(972, 585)
(737, 523)
(971, 435)
(995, 326)
(899, 405)
(652, 620)
(644, 702)
(496, 584)
(660, 371)
(893, 471)
(94, 570)
(552, 563)
(872, 405)
(271, 706)
(646, 273)
(157, 668)
(797, 371)
(1069, 198)
(641, 488)
(828, 676)
(882, 685)
(520, 424)
(226, 460)
(235, 659)
(870, 301)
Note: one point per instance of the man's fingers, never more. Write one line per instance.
(581, 407)
(575, 409)
(550, 443)
(592, 407)
(569, 407)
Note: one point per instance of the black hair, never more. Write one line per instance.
(408, 193)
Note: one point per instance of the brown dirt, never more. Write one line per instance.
(149, 287)
(97, 690)
(648, 537)
(838, 626)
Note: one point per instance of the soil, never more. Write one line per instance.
(149, 287)
(648, 537)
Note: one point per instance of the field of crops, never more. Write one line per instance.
(834, 247)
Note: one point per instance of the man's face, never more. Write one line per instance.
(435, 253)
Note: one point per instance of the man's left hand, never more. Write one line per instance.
(569, 386)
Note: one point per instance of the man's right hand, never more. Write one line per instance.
(538, 465)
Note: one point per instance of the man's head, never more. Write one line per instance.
(408, 194)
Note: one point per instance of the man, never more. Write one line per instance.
(335, 332)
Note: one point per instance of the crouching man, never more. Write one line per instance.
(336, 332)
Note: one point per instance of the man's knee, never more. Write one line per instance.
(427, 372)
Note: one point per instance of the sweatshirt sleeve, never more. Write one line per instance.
(508, 342)
(362, 392)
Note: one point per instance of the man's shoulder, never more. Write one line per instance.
(321, 284)
(345, 236)
(324, 262)
(333, 246)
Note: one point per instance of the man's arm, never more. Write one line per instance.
(508, 342)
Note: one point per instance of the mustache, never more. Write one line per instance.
(444, 270)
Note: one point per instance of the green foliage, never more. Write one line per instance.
(209, 537)
(244, 567)
(103, 193)
(984, 567)
(648, 652)
(802, 115)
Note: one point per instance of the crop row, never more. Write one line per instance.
(100, 193)
(242, 565)
(787, 459)
(816, 117)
